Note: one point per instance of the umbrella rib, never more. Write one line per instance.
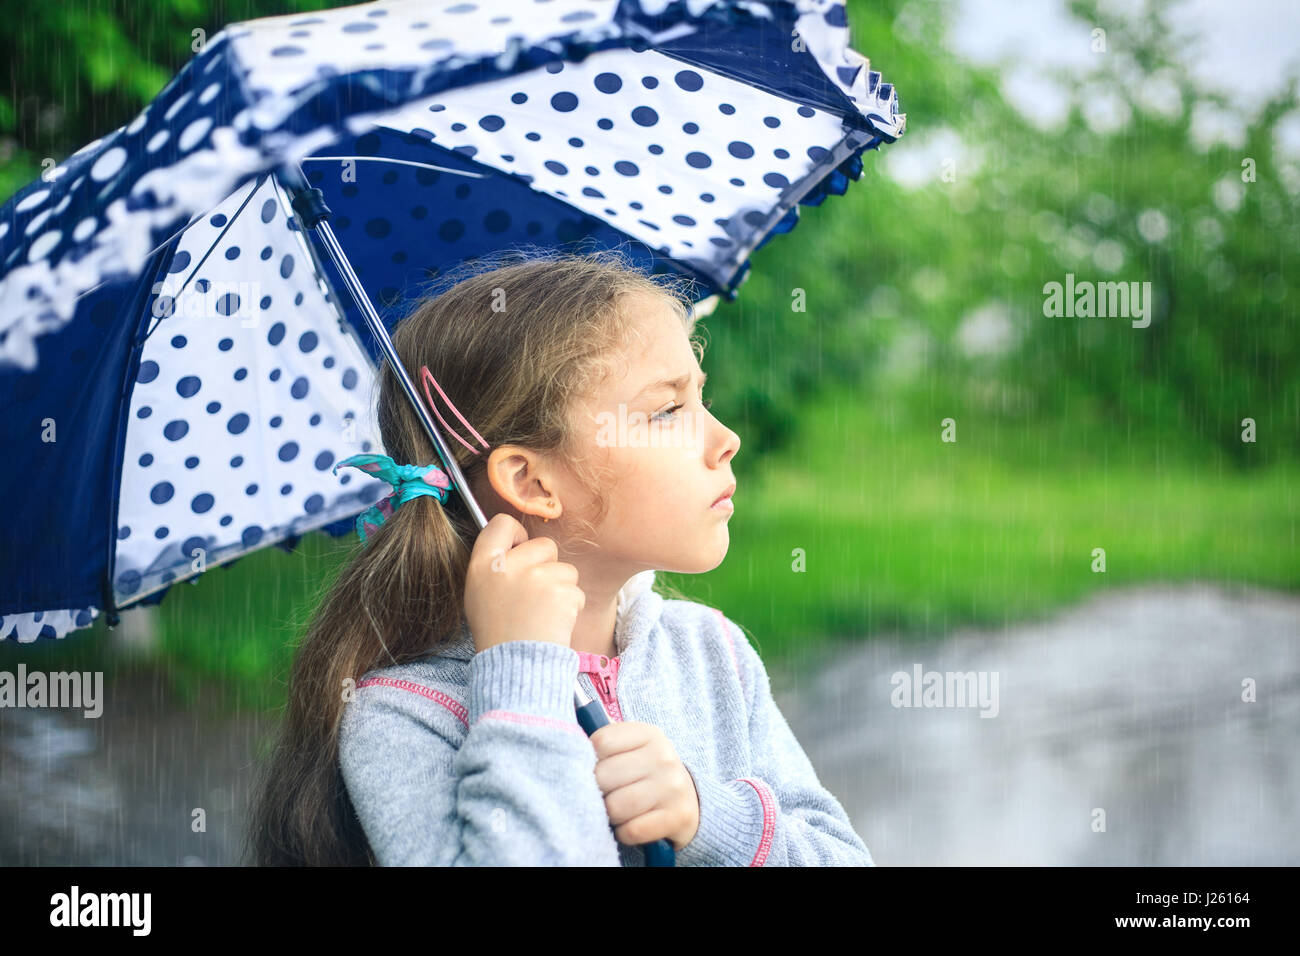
(161, 245)
(332, 296)
(216, 242)
(403, 162)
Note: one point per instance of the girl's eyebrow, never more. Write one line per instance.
(676, 384)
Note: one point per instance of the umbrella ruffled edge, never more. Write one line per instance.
(834, 183)
(27, 627)
(35, 625)
(875, 100)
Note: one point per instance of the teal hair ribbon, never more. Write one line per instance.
(408, 481)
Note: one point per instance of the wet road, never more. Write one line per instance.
(122, 789)
(1120, 737)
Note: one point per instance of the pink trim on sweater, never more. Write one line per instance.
(769, 821)
(451, 703)
(535, 720)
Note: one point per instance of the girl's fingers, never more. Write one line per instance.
(619, 736)
(623, 769)
(631, 801)
(539, 550)
(655, 825)
(500, 534)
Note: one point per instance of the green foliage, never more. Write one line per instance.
(891, 270)
(79, 69)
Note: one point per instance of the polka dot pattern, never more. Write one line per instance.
(247, 410)
(412, 33)
(705, 191)
(698, 168)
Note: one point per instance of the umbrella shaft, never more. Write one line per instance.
(358, 293)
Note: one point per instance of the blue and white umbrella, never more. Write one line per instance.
(177, 372)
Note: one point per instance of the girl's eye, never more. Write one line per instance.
(672, 412)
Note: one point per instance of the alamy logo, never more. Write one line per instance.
(59, 689)
(102, 909)
(641, 430)
(1101, 300)
(946, 689)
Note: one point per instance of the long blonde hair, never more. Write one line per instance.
(515, 375)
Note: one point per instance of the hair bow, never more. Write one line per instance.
(408, 481)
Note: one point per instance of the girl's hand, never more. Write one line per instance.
(517, 589)
(649, 793)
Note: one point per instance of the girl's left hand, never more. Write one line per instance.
(649, 793)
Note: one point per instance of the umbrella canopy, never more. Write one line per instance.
(176, 369)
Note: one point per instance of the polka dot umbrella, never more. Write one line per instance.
(179, 373)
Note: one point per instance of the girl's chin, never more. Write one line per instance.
(717, 556)
(699, 566)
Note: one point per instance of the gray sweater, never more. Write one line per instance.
(465, 759)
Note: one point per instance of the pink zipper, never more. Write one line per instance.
(604, 677)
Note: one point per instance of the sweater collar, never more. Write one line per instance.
(639, 608)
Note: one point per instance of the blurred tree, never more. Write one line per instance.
(1121, 192)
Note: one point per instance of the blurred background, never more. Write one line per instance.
(930, 461)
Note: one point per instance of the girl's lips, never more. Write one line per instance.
(724, 505)
(725, 495)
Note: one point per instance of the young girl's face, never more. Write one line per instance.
(669, 457)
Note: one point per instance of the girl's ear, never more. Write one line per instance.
(518, 478)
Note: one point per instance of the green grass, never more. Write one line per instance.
(902, 531)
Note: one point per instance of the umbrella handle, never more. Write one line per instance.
(591, 717)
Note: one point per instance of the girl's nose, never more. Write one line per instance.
(729, 445)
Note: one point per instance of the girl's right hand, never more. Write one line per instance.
(516, 590)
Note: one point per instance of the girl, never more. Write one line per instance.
(431, 710)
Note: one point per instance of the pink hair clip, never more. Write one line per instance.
(427, 377)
